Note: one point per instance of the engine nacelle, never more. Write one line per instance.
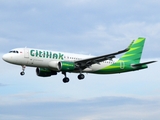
(54, 65)
(45, 72)
(66, 66)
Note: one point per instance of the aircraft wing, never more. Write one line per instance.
(84, 63)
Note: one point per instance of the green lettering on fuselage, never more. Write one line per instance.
(32, 53)
(50, 55)
(37, 55)
(61, 56)
(55, 56)
(46, 54)
(40, 54)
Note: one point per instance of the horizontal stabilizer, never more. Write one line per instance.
(145, 63)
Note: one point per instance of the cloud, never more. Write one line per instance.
(77, 3)
(99, 108)
(93, 24)
(2, 85)
(84, 26)
(3, 40)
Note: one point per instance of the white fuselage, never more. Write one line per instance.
(49, 62)
(46, 58)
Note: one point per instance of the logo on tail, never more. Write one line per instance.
(135, 51)
(134, 54)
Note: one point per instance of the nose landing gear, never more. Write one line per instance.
(23, 69)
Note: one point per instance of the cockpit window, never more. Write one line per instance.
(14, 51)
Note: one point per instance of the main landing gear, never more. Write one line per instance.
(81, 76)
(23, 69)
(66, 79)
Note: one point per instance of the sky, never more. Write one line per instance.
(95, 27)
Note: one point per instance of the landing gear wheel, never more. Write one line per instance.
(81, 76)
(23, 69)
(66, 80)
(22, 73)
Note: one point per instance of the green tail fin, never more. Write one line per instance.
(135, 51)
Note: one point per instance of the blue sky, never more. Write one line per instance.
(83, 26)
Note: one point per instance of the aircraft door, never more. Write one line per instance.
(122, 65)
(26, 53)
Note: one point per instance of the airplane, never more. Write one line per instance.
(50, 63)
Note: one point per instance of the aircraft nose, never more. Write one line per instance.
(5, 57)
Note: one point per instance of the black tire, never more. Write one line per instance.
(66, 80)
(22, 73)
(81, 76)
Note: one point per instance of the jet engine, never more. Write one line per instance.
(45, 72)
(66, 66)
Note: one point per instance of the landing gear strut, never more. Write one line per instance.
(65, 79)
(23, 69)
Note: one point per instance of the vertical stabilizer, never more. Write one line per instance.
(135, 51)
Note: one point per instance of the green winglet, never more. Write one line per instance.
(131, 44)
